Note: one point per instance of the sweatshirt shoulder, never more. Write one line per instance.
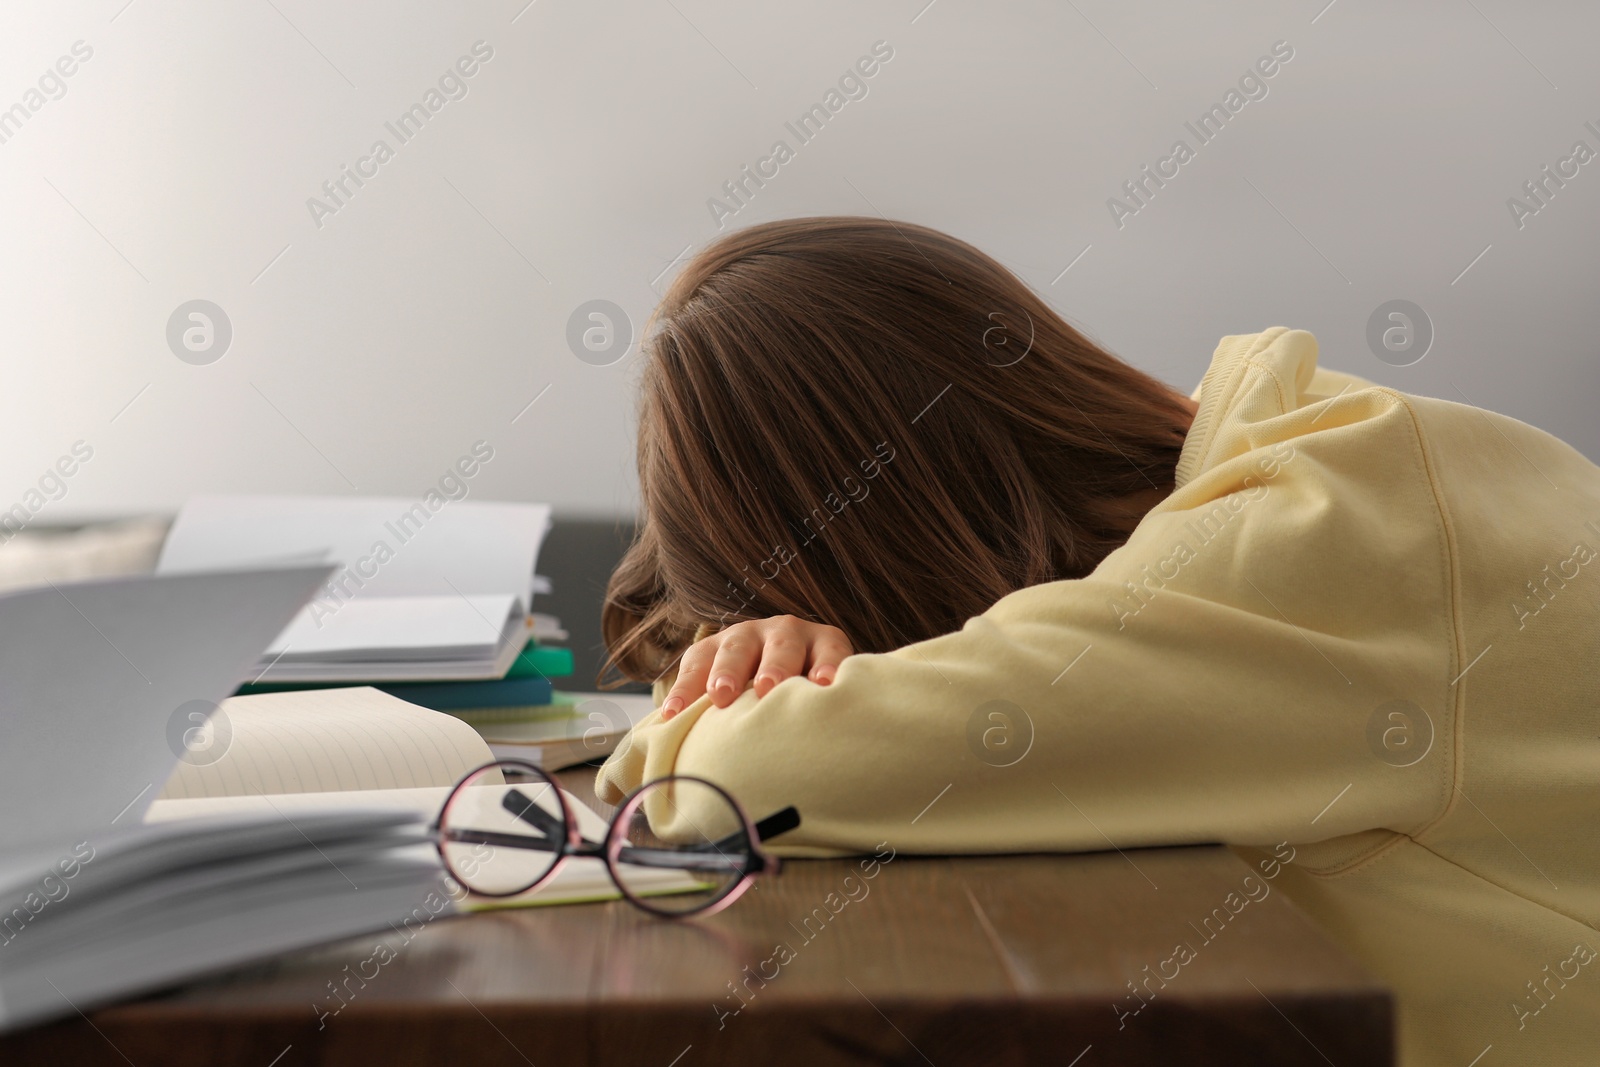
(1267, 388)
(1290, 361)
(1291, 358)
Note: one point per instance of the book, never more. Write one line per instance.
(448, 696)
(591, 729)
(535, 663)
(434, 590)
(98, 681)
(440, 696)
(542, 661)
(390, 638)
(116, 915)
(560, 707)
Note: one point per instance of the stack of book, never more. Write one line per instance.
(431, 606)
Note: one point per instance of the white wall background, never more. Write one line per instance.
(369, 353)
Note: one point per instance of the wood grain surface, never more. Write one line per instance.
(945, 961)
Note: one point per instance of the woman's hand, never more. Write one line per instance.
(769, 650)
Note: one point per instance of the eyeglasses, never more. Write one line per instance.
(677, 846)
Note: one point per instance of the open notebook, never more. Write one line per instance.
(358, 749)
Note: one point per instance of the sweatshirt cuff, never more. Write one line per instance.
(649, 752)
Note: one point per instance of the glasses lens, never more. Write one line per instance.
(503, 829)
(680, 846)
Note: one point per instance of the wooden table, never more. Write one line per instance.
(943, 961)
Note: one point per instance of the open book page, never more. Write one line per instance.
(94, 677)
(320, 740)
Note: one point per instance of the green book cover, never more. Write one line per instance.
(541, 660)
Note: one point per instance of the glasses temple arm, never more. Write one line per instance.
(779, 822)
(519, 804)
(665, 858)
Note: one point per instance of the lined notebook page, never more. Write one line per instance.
(322, 740)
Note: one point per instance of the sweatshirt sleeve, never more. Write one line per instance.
(1231, 674)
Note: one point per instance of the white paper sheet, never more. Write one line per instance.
(404, 627)
(392, 546)
(98, 680)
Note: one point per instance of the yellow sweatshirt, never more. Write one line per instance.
(1365, 623)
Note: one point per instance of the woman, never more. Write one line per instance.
(1295, 607)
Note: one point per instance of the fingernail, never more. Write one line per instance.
(723, 684)
(823, 675)
(672, 706)
(764, 683)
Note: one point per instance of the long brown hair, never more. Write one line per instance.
(873, 425)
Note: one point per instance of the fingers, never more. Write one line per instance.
(783, 656)
(693, 671)
(768, 650)
(827, 652)
(734, 664)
